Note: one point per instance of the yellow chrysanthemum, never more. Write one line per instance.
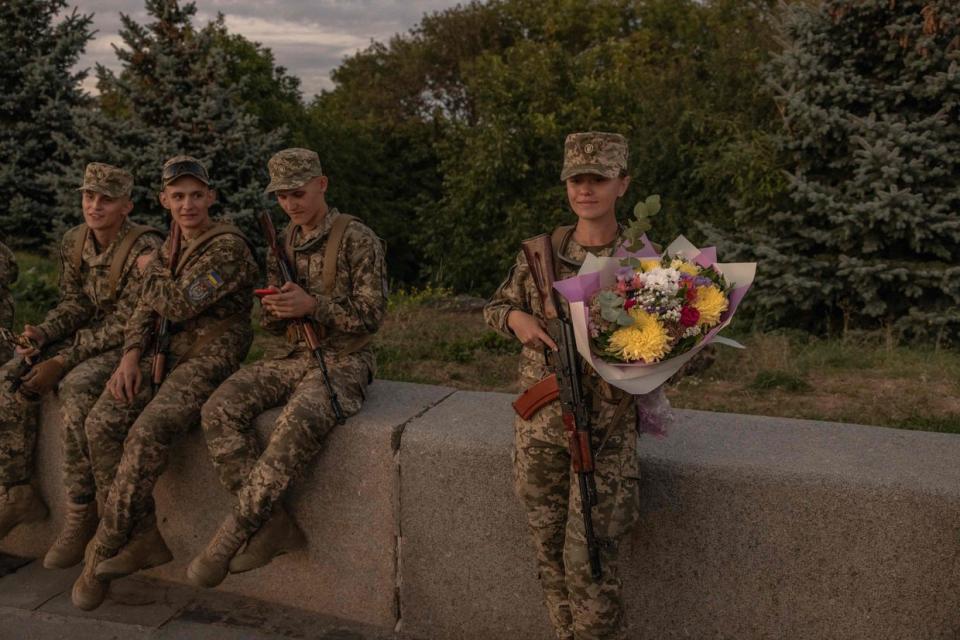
(710, 302)
(649, 265)
(645, 339)
(688, 268)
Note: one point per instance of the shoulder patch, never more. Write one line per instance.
(203, 286)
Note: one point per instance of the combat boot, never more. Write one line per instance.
(78, 528)
(210, 567)
(89, 591)
(19, 504)
(145, 550)
(279, 535)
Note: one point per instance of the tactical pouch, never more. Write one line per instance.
(536, 397)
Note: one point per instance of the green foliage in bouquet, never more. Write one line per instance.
(611, 308)
(643, 211)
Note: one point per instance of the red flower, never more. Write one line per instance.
(691, 293)
(689, 316)
(629, 304)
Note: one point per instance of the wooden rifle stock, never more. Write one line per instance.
(158, 368)
(305, 327)
(566, 366)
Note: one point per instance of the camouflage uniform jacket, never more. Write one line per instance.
(356, 306)
(518, 293)
(8, 275)
(88, 309)
(208, 295)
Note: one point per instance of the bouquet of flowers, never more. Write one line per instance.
(639, 316)
(656, 309)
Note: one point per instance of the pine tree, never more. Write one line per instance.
(39, 48)
(174, 96)
(869, 235)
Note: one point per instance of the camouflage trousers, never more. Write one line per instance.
(579, 606)
(259, 477)
(19, 422)
(130, 443)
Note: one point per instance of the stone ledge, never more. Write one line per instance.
(752, 527)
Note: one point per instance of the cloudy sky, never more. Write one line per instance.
(309, 37)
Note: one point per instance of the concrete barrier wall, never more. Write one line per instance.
(752, 527)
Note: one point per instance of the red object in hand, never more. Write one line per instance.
(689, 316)
(269, 291)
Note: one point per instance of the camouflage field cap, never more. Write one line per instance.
(107, 179)
(604, 154)
(292, 168)
(179, 166)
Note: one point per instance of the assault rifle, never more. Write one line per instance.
(566, 365)
(305, 327)
(161, 330)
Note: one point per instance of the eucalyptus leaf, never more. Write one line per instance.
(625, 319)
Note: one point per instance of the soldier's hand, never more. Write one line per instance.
(291, 302)
(38, 339)
(125, 382)
(144, 260)
(44, 376)
(530, 331)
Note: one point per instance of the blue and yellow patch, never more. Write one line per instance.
(203, 286)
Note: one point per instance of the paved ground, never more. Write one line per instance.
(35, 605)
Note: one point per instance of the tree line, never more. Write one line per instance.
(819, 139)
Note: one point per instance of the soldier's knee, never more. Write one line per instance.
(210, 414)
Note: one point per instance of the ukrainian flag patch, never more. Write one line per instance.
(203, 286)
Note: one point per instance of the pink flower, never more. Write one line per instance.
(621, 286)
(630, 303)
(689, 316)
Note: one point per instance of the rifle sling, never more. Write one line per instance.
(123, 251)
(217, 229)
(119, 259)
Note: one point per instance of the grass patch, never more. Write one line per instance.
(36, 290)
(766, 380)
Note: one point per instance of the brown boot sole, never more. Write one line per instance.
(196, 580)
(81, 601)
(244, 562)
(52, 563)
(106, 573)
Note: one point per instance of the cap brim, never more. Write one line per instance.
(596, 169)
(286, 186)
(188, 174)
(97, 189)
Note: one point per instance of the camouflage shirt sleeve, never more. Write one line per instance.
(224, 266)
(362, 310)
(110, 334)
(74, 308)
(509, 296)
(268, 321)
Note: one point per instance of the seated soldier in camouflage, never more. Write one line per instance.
(8, 275)
(206, 297)
(340, 286)
(80, 340)
(580, 607)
